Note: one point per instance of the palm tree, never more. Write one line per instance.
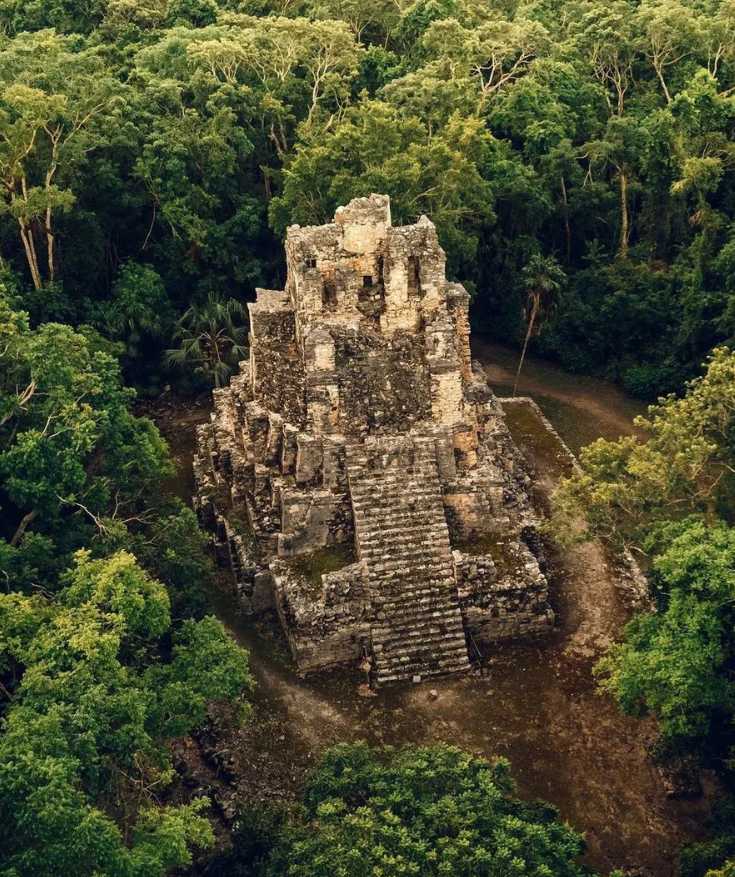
(211, 338)
(543, 278)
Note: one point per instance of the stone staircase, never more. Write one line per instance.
(403, 539)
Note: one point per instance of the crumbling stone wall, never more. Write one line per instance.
(382, 386)
(326, 624)
(503, 594)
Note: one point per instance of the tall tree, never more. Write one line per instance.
(685, 465)
(51, 98)
(543, 279)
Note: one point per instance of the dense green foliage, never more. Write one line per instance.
(685, 465)
(152, 152)
(417, 810)
(676, 662)
(101, 663)
(78, 468)
(94, 689)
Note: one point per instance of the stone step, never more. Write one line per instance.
(396, 589)
(390, 672)
(444, 623)
(420, 666)
(415, 643)
(388, 480)
(362, 481)
(416, 657)
(397, 538)
(421, 535)
(396, 592)
(390, 598)
(412, 654)
(376, 513)
(394, 491)
(429, 610)
(433, 570)
(416, 556)
(378, 506)
(403, 538)
(430, 545)
(416, 565)
(414, 527)
(395, 524)
(399, 617)
(389, 586)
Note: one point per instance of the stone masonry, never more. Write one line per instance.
(357, 474)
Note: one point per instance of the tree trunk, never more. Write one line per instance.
(660, 74)
(48, 224)
(26, 521)
(266, 182)
(26, 235)
(624, 216)
(529, 330)
(50, 242)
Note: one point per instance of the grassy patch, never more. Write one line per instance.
(504, 557)
(482, 545)
(537, 442)
(313, 566)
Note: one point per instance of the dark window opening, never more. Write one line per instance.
(329, 294)
(311, 262)
(371, 295)
(414, 277)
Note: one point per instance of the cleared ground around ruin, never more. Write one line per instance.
(537, 705)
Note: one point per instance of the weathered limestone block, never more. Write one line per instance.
(273, 346)
(445, 456)
(447, 399)
(273, 444)
(312, 520)
(468, 513)
(458, 302)
(289, 449)
(309, 457)
(363, 224)
(334, 476)
(319, 353)
(257, 424)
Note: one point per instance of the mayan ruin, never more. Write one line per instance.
(357, 473)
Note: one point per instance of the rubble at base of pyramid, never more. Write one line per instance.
(357, 474)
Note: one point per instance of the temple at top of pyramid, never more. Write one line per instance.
(357, 474)
(368, 336)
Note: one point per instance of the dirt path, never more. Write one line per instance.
(537, 705)
(581, 408)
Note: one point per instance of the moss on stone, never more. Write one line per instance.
(313, 566)
(536, 440)
(504, 556)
